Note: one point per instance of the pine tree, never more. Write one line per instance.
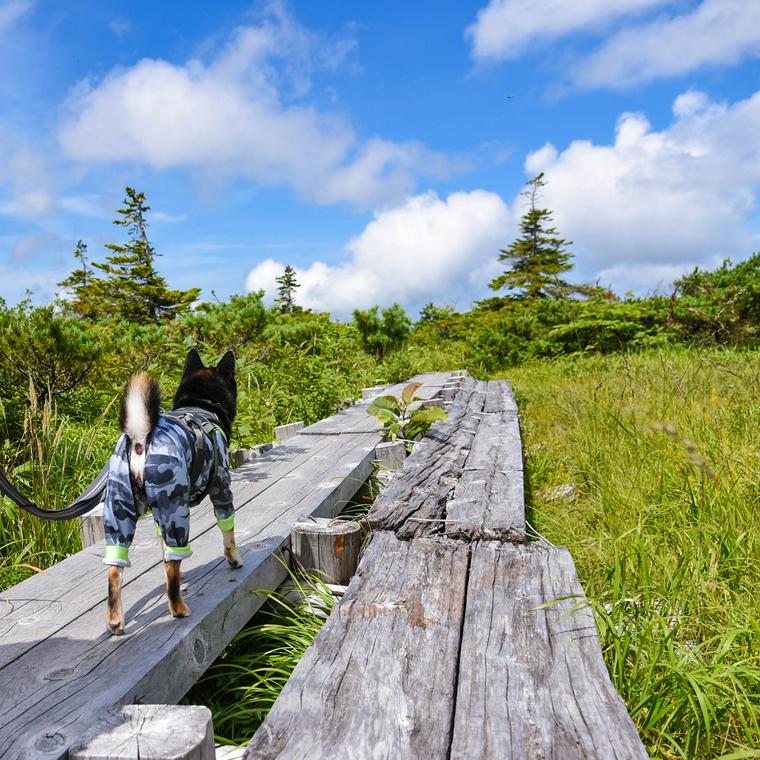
(538, 257)
(131, 288)
(87, 289)
(285, 300)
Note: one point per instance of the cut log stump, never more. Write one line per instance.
(326, 548)
(149, 732)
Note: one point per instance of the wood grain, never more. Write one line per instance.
(415, 502)
(149, 732)
(532, 680)
(379, 680)
(326, 548)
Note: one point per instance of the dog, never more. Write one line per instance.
(168, 462)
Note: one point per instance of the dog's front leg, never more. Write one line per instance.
(231, 552)
(114, 613)
(177, 605)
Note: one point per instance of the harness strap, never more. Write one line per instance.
(196, 425)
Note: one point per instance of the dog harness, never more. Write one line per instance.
(185, 460)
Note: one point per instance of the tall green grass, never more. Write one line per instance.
(243, 684)
(52, 464)
(648, 468)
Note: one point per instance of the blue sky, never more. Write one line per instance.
(379, 148)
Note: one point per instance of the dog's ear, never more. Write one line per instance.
(226, 366)
(193, 363)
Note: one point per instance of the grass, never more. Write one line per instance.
(242, 685)
(647, 468)
(53, 463)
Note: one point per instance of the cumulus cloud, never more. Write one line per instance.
(682, 37)
(424, 249)
(716, 32)
(243, 114)
(656, 203)
(508, 28)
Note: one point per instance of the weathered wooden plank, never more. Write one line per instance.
(373, 391)
(488, 501)
(91, 529)
(379, 679)
(500, 398)
(415, 503)
(532, 681)
(55, 690)
(149, 732)
(45, 603)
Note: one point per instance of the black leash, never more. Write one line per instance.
(91, 497)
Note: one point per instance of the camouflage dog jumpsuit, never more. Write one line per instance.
(169, 494)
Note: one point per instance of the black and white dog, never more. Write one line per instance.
(167, 462)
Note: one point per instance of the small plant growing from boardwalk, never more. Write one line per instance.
(399, 420)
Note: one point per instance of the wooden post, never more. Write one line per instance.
(239, 457)
(148, 732)
(91, 529)
(390, 454)
(327, 548)
(375, 390)
(283, 432)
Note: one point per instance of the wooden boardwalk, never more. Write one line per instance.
(456, 638)
(59, 669)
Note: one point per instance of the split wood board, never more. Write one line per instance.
(410, 665)
(380, 678)
(532, 680)
(356, 420)
(465, 479)
(414, 504)
(488, 501)
(56, 678)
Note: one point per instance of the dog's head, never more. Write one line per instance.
(212, 388)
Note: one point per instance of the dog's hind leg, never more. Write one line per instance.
(114, 613)
(231, 552)
(177, 605)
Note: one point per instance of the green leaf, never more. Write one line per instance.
(389, 403)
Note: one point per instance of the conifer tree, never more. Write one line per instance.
(286, 289)
(538, 257)
(131, 288)
(87, 289)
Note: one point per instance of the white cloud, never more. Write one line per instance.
(654, 204)
(424, 249)
(25, 175)
(716, 32)
(508, 28)
(13, 10)
(243, 114)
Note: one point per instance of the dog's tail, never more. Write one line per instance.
(140, 408)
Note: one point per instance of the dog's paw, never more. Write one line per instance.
(116, 629)
(233, 558)
(180, 610)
